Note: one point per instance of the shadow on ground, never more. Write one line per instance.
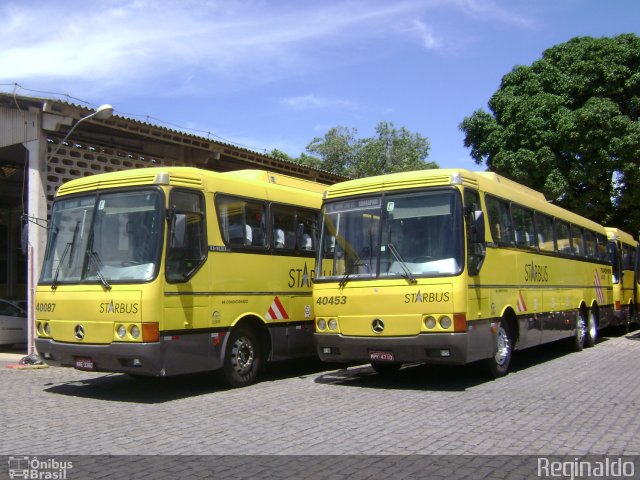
(451, 378)
(119, 387)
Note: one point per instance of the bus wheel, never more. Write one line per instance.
(386, 368)
(592, 329)
(242, 360)
(626, 326)
(498, 364)
(579, 339)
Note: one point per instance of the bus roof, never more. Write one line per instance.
(185, 177)
(426, 178)
(488, 182)
(617, 234)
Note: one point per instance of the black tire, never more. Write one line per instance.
(592, 329)
(386, 368)
(626, 326)
(579, 338)
(498, 363)
(243, 358)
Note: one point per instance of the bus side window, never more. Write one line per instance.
(500, 220)
(577, 241)
(544, 230)
(563, 238)
(603, 252)
(284, 225)
(524, 231)
(241, 221)
(591, 244)
(307, 235)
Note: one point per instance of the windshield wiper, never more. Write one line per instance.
(356, 264)
(69, 247)
(54, 281)
(344, 279)
(95, 259)
(97, 263)
(408, 275)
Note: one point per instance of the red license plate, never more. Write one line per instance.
(381, 356)
(85, 364)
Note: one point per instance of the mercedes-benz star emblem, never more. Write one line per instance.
(79, 332)
(377, 325)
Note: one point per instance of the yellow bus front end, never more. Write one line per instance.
(99, 300)
(391, 284)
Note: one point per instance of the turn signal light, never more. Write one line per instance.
(150, 332)
(459, 322)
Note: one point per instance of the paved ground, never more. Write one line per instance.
(553, 403)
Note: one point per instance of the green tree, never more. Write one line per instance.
(390, 150)
(568, 126)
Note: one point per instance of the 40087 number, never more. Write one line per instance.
(335, 300)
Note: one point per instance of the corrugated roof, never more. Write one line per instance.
(159, 132)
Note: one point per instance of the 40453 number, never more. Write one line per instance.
(334, 300)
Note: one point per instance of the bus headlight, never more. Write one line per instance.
(322, 324)
(135, 331)
(39, 328)
(121, 331)
(445, 322)
(430, 323)
(333, 324)
(47, 329)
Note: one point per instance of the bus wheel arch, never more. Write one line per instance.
(246, 350)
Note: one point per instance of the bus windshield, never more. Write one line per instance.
(395, 235)
(105, 237)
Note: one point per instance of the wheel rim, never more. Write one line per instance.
(504, 347)
(242, 355)
(581, 330)
(593, 331)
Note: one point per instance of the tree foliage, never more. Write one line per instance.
(568, 126)
(391, 150)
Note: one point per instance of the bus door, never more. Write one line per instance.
(186, 303)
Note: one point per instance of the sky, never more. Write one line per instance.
(269, 74)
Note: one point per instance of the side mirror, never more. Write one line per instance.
(178, 230)
(477, 226)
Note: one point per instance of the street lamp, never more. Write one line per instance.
(102, 113)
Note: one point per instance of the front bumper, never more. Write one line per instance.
(436, 348)
(133, 358)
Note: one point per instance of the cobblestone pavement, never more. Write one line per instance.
(552, 403)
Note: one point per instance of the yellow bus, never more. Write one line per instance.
(451, 267)
(166, 271)
(622, 249)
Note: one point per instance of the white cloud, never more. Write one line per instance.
(311, 101)
(491, 11)
(429, 41)
(198, 42)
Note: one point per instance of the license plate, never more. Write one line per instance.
(381, 356)
(85, 364)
